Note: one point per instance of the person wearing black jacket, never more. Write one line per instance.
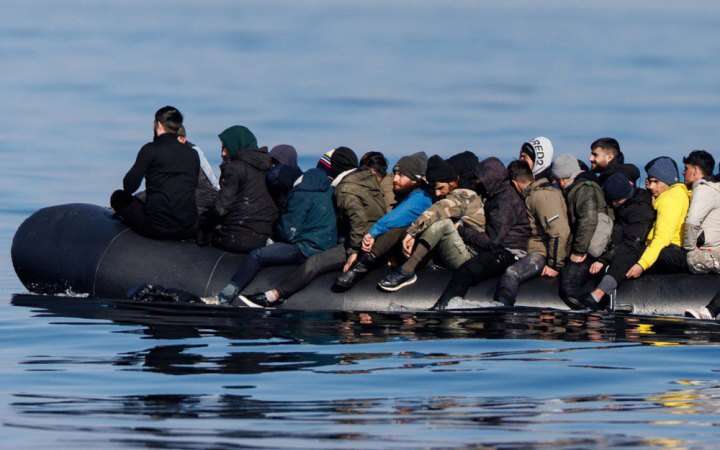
(244, 213)
(606, 158)
(505, 238)
(634, 216)
(170, 170)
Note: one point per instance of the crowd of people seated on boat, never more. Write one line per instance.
(543, 215)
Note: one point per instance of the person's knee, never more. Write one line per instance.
(120, 200)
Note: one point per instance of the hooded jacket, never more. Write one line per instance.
(549, 222)
(671, 207)
(507, 225)
(585, 201)
(633, 220)
(171, 173)
(702, 225)
(243, 202)
(630, 170)
(310, 220)
(360, 203)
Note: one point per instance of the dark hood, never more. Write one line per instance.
(259, 159)
(314, 180)
(491, 174)
(284, 154)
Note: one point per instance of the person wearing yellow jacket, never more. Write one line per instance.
(671, 199)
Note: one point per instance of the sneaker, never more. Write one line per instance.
(258, 300)
(396, 280)
(699, 313)
(352, 276)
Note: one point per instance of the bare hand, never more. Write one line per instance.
(350, 262)
(635, 271)
(578, 258)
(596, 267)
(549, 272)
(408, 244)
(367, 243)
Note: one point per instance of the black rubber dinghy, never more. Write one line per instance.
(83, 249)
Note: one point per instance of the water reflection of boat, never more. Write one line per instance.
(81, 248)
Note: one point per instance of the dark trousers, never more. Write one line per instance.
(330, 260)
(624, 258)
(519, 272)
(277, 254)
(672, 259)
(486, 264)
(240, 241)
(576, 281)
(132, 212)
(387, 241)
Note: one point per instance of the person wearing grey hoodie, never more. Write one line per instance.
(701, 233)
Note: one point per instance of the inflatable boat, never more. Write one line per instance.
(84, 249)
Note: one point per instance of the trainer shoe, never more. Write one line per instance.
(396, 280)
(258, 300)
(699, 313)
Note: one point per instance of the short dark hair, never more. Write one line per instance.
(701, 159)
(520, 171)
(375, 161)
(170, 118)
(610, 145)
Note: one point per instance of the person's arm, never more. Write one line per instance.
(291, 222)
(586, 215)
(230, 179)
(451, 207)
(353, 208)
(403, 214)
(135, 175)
(700, 206)
(553, 219)
(669, 216)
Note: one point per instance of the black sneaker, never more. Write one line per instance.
(396, 280)
(258, 300)
(352, 276)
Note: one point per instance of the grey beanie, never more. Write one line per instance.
(412, 166)
(664, 169)
(565, 166)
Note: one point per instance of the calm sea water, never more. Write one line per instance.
(78, 86)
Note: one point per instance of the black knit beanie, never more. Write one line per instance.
(617, 187)
(438, 170)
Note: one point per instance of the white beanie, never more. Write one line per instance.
(541, 151)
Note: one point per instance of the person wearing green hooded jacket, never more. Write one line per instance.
(243, 215)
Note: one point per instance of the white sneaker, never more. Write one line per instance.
(699, 313)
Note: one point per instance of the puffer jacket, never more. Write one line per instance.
(671, 207)
(702, 225)
(549, 222)
(360, 203)
(633, 220)
(243, 202)
(585, 201)
(460, 204)
(507, 225)
(310, 220)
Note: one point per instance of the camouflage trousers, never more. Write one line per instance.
(444, 239)
(704, 260)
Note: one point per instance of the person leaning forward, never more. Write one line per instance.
(170, 170)
(243, 215)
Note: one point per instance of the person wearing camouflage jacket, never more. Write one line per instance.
(548, 244)
(435, 229)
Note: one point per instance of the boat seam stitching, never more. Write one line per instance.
(102, 258)
(212, 273)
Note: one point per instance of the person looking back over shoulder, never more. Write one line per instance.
(170, 170)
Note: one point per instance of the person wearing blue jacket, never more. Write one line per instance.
(413, 199)
(307, 227)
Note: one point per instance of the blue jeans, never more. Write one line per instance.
(277, 254)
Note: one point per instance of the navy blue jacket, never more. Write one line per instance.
(309, 220)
